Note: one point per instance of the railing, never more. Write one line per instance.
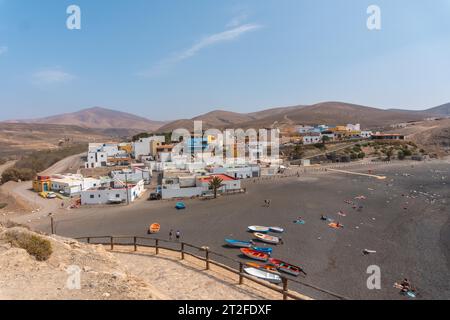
(181, 247)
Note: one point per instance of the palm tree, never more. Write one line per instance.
(215, 184)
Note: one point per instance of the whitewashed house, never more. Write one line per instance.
(115, 193)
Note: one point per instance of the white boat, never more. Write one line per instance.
(258, 229)
(267, 238)
(276, 229)
(262, 274)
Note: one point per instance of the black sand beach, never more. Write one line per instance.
(404, 218)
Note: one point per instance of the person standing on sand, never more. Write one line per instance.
(178, 235)
(170, 234)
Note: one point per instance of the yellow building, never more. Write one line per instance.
(42, 184)
(127, 147)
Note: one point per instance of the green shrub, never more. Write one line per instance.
(3, 205)
(36, 246)
(16, 174)
(401, 155)
(407, 152)
(361, 155)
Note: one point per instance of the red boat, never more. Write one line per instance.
(286, 267)
(253, 254)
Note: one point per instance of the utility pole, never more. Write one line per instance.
(126, 184)
(52, 223)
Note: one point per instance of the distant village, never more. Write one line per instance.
(117, 173)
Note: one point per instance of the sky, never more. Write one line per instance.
(171, 59)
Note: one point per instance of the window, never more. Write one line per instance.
(91, 196)
(117, 195)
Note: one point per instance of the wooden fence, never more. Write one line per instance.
(182, 248)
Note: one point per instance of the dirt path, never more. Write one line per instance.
(187, 279)
(68, 164)
(38, 206)
(6, 165)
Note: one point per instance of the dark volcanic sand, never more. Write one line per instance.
(412, 243)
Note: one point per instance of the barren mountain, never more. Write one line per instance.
(99, 118)
(443, 110)
(20, 138)
(334, 113)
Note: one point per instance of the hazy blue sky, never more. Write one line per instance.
(170, 59)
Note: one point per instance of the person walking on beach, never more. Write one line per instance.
(268, 203)
(178, 235)
(170, 234)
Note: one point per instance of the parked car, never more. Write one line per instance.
(51, 195)
(155, 196)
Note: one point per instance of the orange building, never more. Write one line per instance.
(42, 184)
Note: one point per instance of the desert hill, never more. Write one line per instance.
(98, 118)
(334, 113)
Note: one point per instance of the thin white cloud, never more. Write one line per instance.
(3, 50)
(236, 21)
(225, 36)
(51, 76)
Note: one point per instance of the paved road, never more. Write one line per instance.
(412, 242)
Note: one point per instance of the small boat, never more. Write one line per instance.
(262, 274)
(276, 229)
(286, 267)
(180, 205)
(154, 228)
(239, 243)
(267, 238)
(258, 229)
(253, 254)
(262, 249)
(266, 267)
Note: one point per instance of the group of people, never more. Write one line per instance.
(267, 203)
(177, 235)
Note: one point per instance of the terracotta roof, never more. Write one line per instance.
(224, 177)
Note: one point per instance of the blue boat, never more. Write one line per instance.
(180, 205)
(263, 250)
(239, 243)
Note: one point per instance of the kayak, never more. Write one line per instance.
(258, 229)
(266, 267)
(262, 249)
(267, 238)
(286, 267)
(154, 228)
(276, 229)
(262, 274)
(180, 205)
(253, 254)
(239, 243)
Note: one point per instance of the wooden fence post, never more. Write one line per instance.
(112, 243)
(88, 240)
(285, 288)
(207, 259)
(135, 243)
(241, 270)
(182, 251)
(156, 246)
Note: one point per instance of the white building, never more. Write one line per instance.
(72, 184)
(96, 159)
(353, 127)
(304, 129)
(366, 134)
(238, 172)
(311, 139)
(142, 147)
(134, 174)
(194, 186)
(112, 194)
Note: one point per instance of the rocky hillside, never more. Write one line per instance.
(24, 276)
